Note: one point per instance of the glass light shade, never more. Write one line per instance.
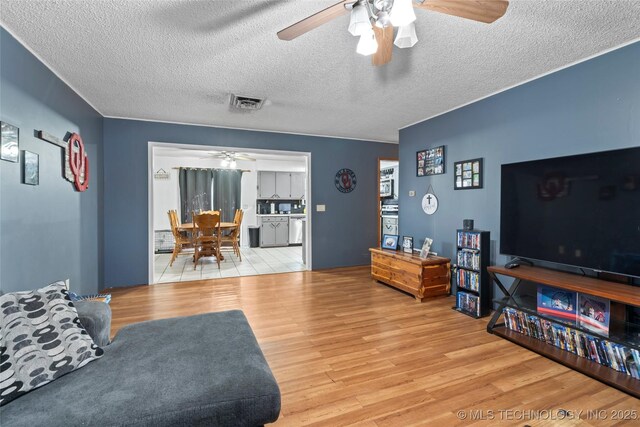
(367, 45)
(359, 22)
(402, 13)
(406, 36)
(225, 162)
(232, 164)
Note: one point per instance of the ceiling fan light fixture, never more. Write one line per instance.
(402, 13)
(406, 36)
(359, 22)
(383, 19)
(367, 45)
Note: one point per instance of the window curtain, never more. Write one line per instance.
(227, 192)
(195, 191)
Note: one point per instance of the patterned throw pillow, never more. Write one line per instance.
(41, 339)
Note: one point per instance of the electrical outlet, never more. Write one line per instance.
(320, 208)
(412, 193)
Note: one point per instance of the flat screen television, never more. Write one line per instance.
(582, 211)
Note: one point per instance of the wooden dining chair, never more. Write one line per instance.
(207, 240)
(181, 242)
(233, 238)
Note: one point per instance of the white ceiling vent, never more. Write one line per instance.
(245, 103)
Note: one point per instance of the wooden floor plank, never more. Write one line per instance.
(347, 350)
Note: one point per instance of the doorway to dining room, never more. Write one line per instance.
(271, 188)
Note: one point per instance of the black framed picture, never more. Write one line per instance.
(430, 161)
(467, 174)
(9, 142)
(407, 244)
(30, 168)
(390, 241)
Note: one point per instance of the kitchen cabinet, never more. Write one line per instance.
(266, 185)
(297, 185)
(281, 185)
(274, 231)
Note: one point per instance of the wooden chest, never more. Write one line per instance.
(421, 277)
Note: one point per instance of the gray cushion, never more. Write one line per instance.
(95, 316)
(200, 370)
(41, 339)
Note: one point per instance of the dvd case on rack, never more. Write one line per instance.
(593, 313)
(558, 303)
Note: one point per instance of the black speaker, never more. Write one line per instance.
(467, 224)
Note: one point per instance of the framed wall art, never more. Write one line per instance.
(467, 174)
(430, 161)
(10, 142)
(30, 168)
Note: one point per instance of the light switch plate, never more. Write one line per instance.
(320, 208)
(412, 193)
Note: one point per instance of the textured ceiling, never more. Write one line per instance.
(178, 60)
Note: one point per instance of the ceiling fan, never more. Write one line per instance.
(373, 21)
(229, 158)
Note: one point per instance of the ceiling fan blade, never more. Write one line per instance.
(314, 21)
(486, 11)
(384, 37)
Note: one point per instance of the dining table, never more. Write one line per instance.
(190, 226)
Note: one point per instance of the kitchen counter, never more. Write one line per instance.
(289, 215)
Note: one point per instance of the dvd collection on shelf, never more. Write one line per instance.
(610, 354)
(471, 277)
(468, 240)
(468, 258)
(469, 303)
(468, 279)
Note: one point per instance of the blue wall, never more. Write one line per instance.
(341, 235)
(48, 232)
(593, 106)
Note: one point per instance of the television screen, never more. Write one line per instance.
(582, 211)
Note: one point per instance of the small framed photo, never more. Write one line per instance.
(390, 241)
(10, 142)
(30, 168)
(407, 244)
(426, 247)
(468, 174)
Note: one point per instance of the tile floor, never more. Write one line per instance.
(254, 261)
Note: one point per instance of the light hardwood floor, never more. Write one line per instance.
(348, 350)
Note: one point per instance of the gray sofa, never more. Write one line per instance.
(199, 370)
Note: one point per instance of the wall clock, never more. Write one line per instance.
(429, 203)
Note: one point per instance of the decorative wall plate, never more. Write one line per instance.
(429, 203)
(345, 180)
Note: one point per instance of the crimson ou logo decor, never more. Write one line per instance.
(345, 180)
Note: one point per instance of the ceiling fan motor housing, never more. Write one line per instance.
(381, 13)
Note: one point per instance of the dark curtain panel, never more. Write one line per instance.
(195, 191)
(226, 192)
